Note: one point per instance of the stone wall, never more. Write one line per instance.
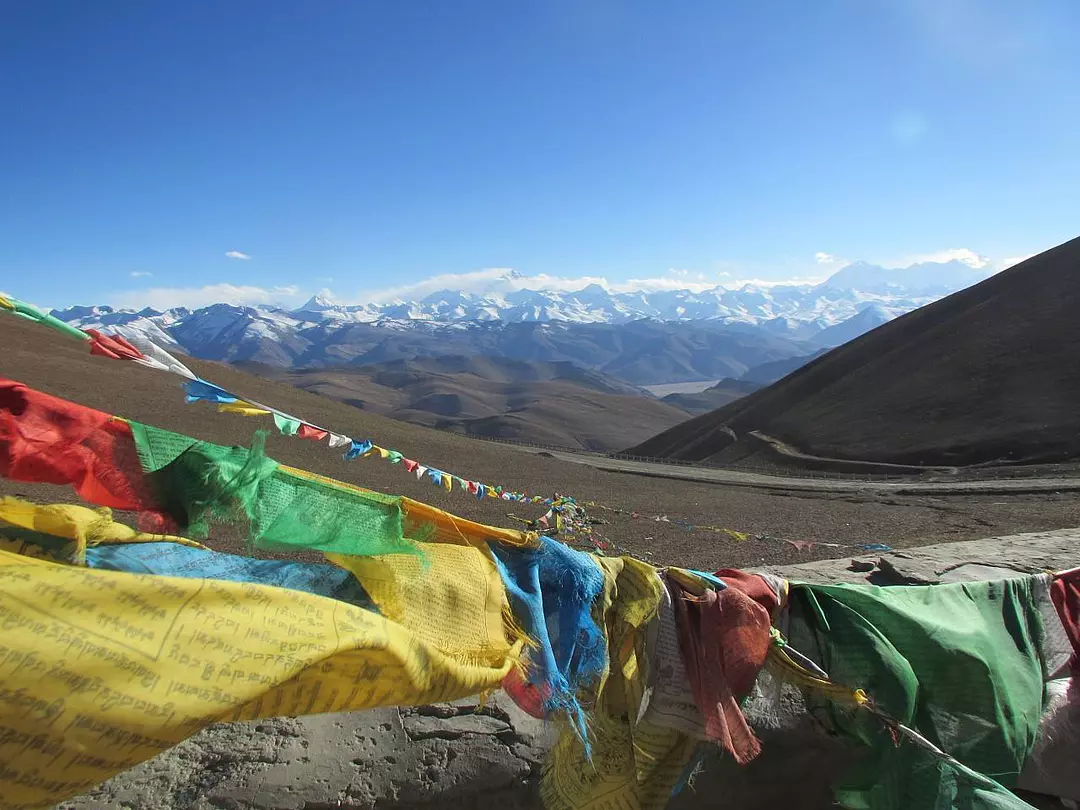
(462, 755)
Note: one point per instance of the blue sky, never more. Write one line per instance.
(360, 146)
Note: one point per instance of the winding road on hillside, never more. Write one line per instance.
(739, 478)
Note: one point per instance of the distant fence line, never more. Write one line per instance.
(763, 468)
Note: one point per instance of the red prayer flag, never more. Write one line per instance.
(724, 637)
(113, 346)
(529, 697)
(311, 432)
(752, 585)
(1065, 592)
(47, 440)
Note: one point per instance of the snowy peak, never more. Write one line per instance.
(509, 319)
(318, 303)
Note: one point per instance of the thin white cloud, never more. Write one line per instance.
(501, 281)
(140, 274)
(236, 254)
(962, 255)
(821, 257)
(194, 297)
(490, 281)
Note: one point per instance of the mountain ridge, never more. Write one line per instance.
(643, 337)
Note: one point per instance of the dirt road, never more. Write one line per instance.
(810, 484)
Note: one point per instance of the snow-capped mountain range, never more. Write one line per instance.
(644, 337)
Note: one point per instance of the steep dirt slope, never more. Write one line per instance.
(989, 373)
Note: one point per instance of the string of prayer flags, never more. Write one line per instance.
(135, 346)
(175, 481)
(142, 350)
(798, 545)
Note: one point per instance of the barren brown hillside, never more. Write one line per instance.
(40, 358)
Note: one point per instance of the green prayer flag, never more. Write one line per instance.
(32, 313)
(286, 424)
(197, 483)
(959, 663)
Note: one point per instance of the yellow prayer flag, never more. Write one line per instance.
(632, 765)
(451, 598)
(242, 408)
(79, 524)
(101, 670)
(6, 304)
(450, 528)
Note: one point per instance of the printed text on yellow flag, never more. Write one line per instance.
(101, 670)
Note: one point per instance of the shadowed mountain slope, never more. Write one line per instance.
(987, 374)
